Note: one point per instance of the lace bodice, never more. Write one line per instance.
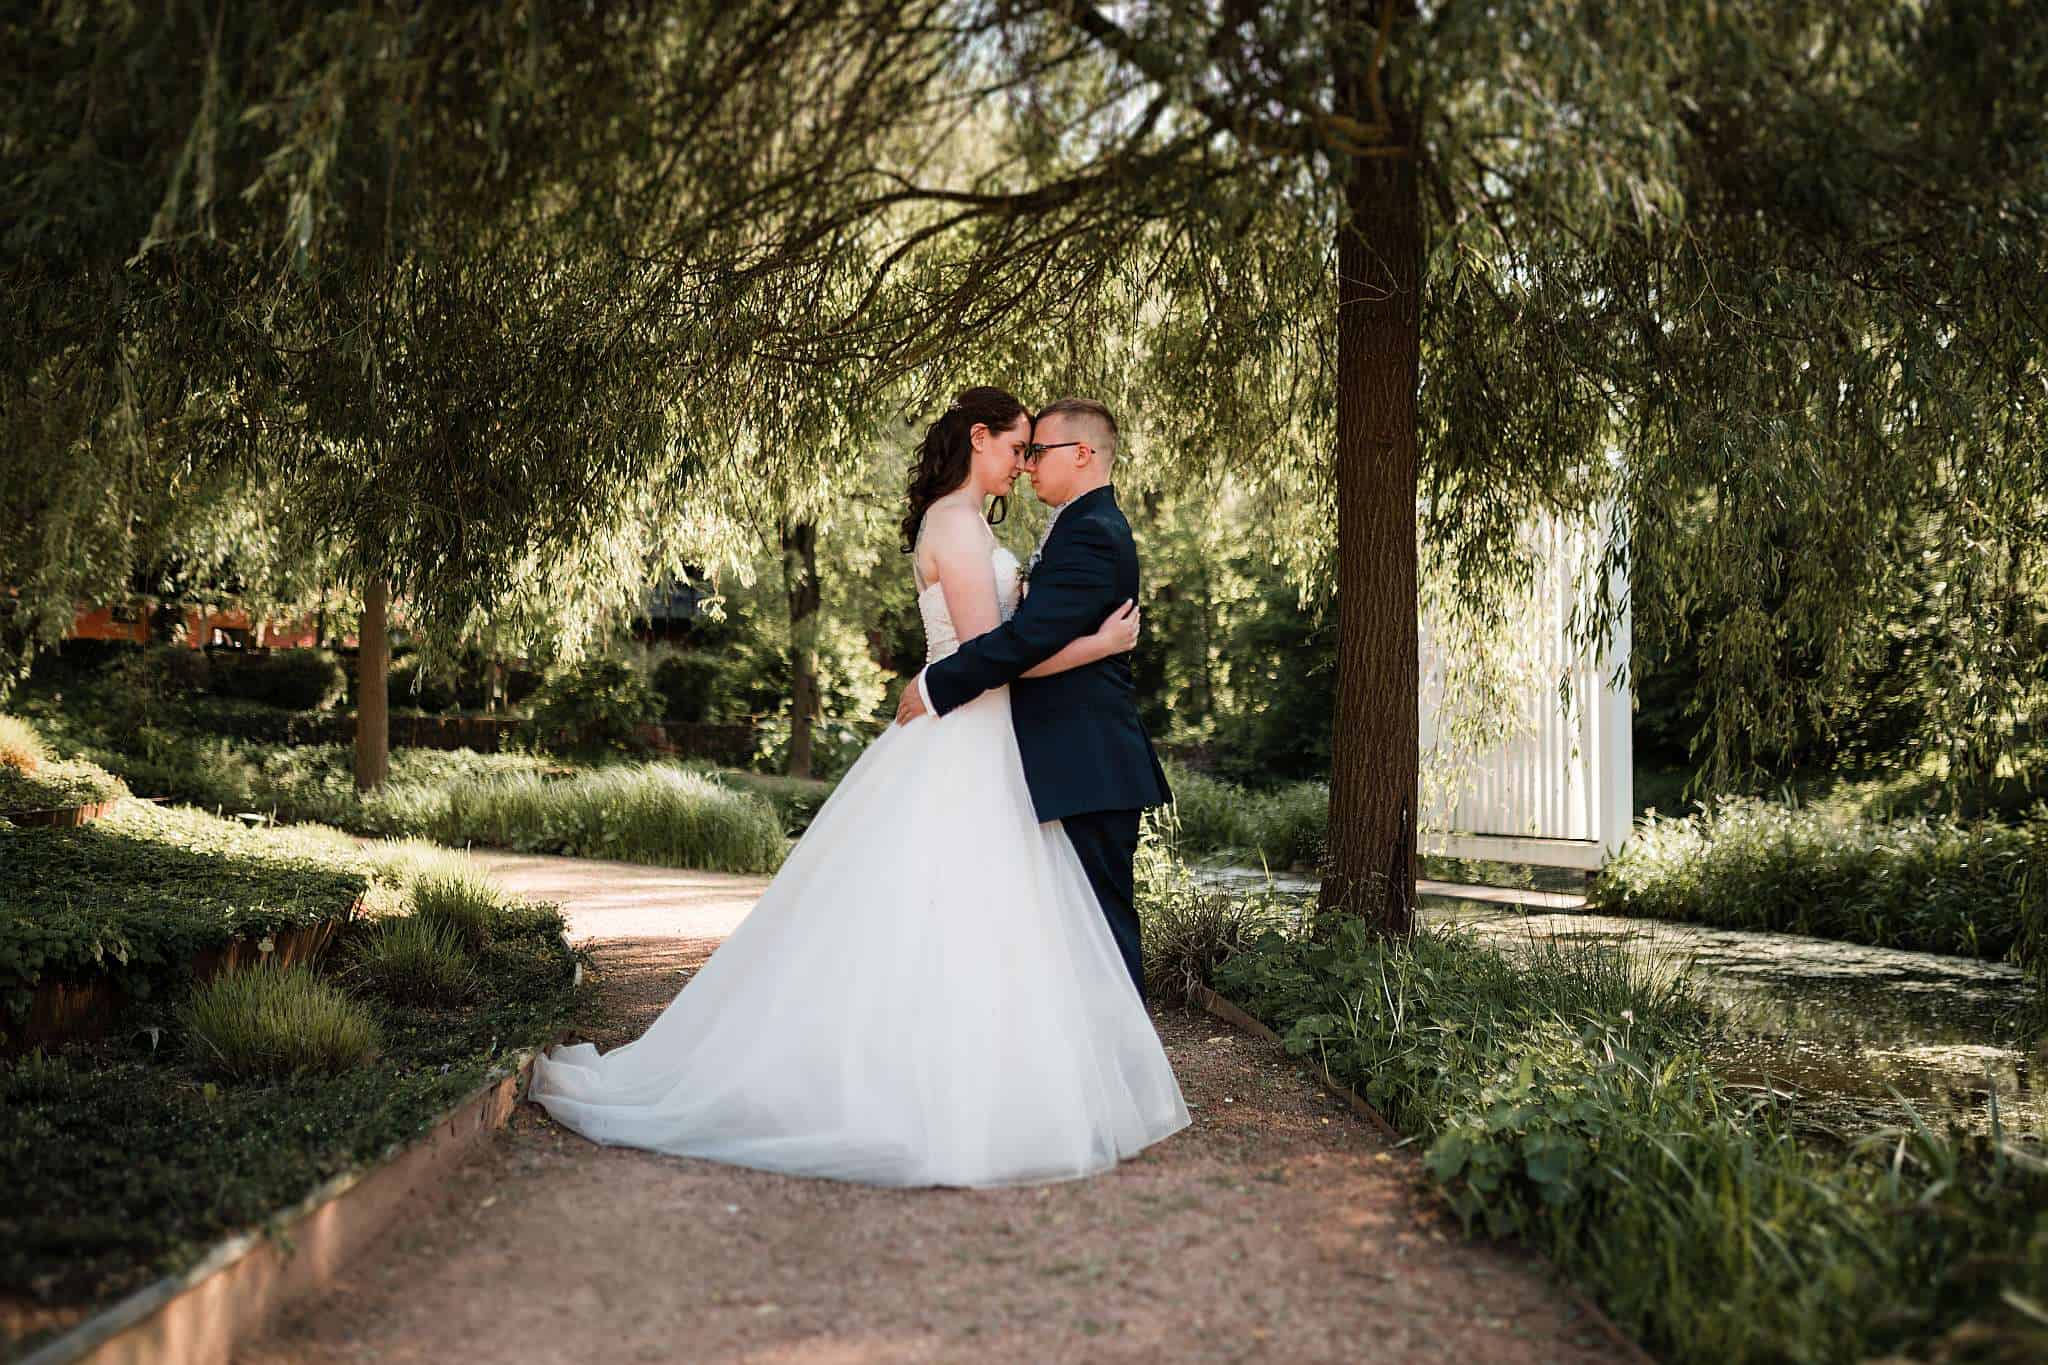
(940, 639)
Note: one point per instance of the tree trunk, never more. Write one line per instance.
(1370, 866)
(373, 678)
(800, 583)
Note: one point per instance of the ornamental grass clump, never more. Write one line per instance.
(21, 748)
(653, 813)
(414, 961)
(1188, 931)
(266, 1022)
(463, 903)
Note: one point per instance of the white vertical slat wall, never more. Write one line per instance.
(1559, 791)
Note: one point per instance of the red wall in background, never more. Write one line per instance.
(99, 624)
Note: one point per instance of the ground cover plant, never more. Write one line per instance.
(58, 784)
(212, 1108)
(32, 780)
(1562, 1094)
(134, 896)
(1930, 882)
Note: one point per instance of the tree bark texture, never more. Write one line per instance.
(1370, 861)
(800, 583)
(373, 679)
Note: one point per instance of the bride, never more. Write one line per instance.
(927, 993)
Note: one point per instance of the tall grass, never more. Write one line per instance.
(644, 813)
(413, 959)
(1931, 883)
(462, 903)
(1285, 827)
(1188, 931)
(21, 747)
(1564, 1097)
(273, 1022)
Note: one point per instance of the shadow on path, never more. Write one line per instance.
(1278, 1227)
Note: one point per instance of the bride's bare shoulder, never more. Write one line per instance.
(954, 528)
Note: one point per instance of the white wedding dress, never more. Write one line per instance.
(926, 994)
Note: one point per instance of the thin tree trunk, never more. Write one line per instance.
(373, 677)
(1370, 868)
(800, 583)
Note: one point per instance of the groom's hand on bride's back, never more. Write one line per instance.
(912, 704)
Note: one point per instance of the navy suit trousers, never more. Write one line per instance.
(1107, 841)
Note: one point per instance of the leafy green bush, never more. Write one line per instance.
(1285, 826)
(263, 1022)
(1931, 883)
(412, 958)
(138, 687)
(1565, 1097)
(797, 800)
(687, 684)
(293, 679)
(56, 785)
(836, 745)
(412, 684)
(593, 707)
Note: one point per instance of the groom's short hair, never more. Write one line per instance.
(1087, 409)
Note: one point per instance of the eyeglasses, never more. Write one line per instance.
(1034, 450)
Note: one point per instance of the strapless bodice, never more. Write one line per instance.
(940, 639)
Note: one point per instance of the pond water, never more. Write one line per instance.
(1836, 1027)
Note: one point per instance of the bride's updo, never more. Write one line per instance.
(946, 454)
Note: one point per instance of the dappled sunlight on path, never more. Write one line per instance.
(1278, 1227)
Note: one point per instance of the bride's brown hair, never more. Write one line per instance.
(947, 453)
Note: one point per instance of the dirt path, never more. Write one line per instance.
(1278, 1227)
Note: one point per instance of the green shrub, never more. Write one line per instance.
(293, 679)
(462, 902)
(209, 772)
(1930, 883)
(1291, 824)
(836, 745)
(139, 687)
(1285, 826)
(1210, 812)
(687, 684)
(593, 707)
(414, 685)
(21, 748)
(268, 1022)
(797, 800)
(414, 959)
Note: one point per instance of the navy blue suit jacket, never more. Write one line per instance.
(1084, 748)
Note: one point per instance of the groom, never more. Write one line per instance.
(1086, 757)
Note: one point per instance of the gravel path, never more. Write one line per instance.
(1278, 1227)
